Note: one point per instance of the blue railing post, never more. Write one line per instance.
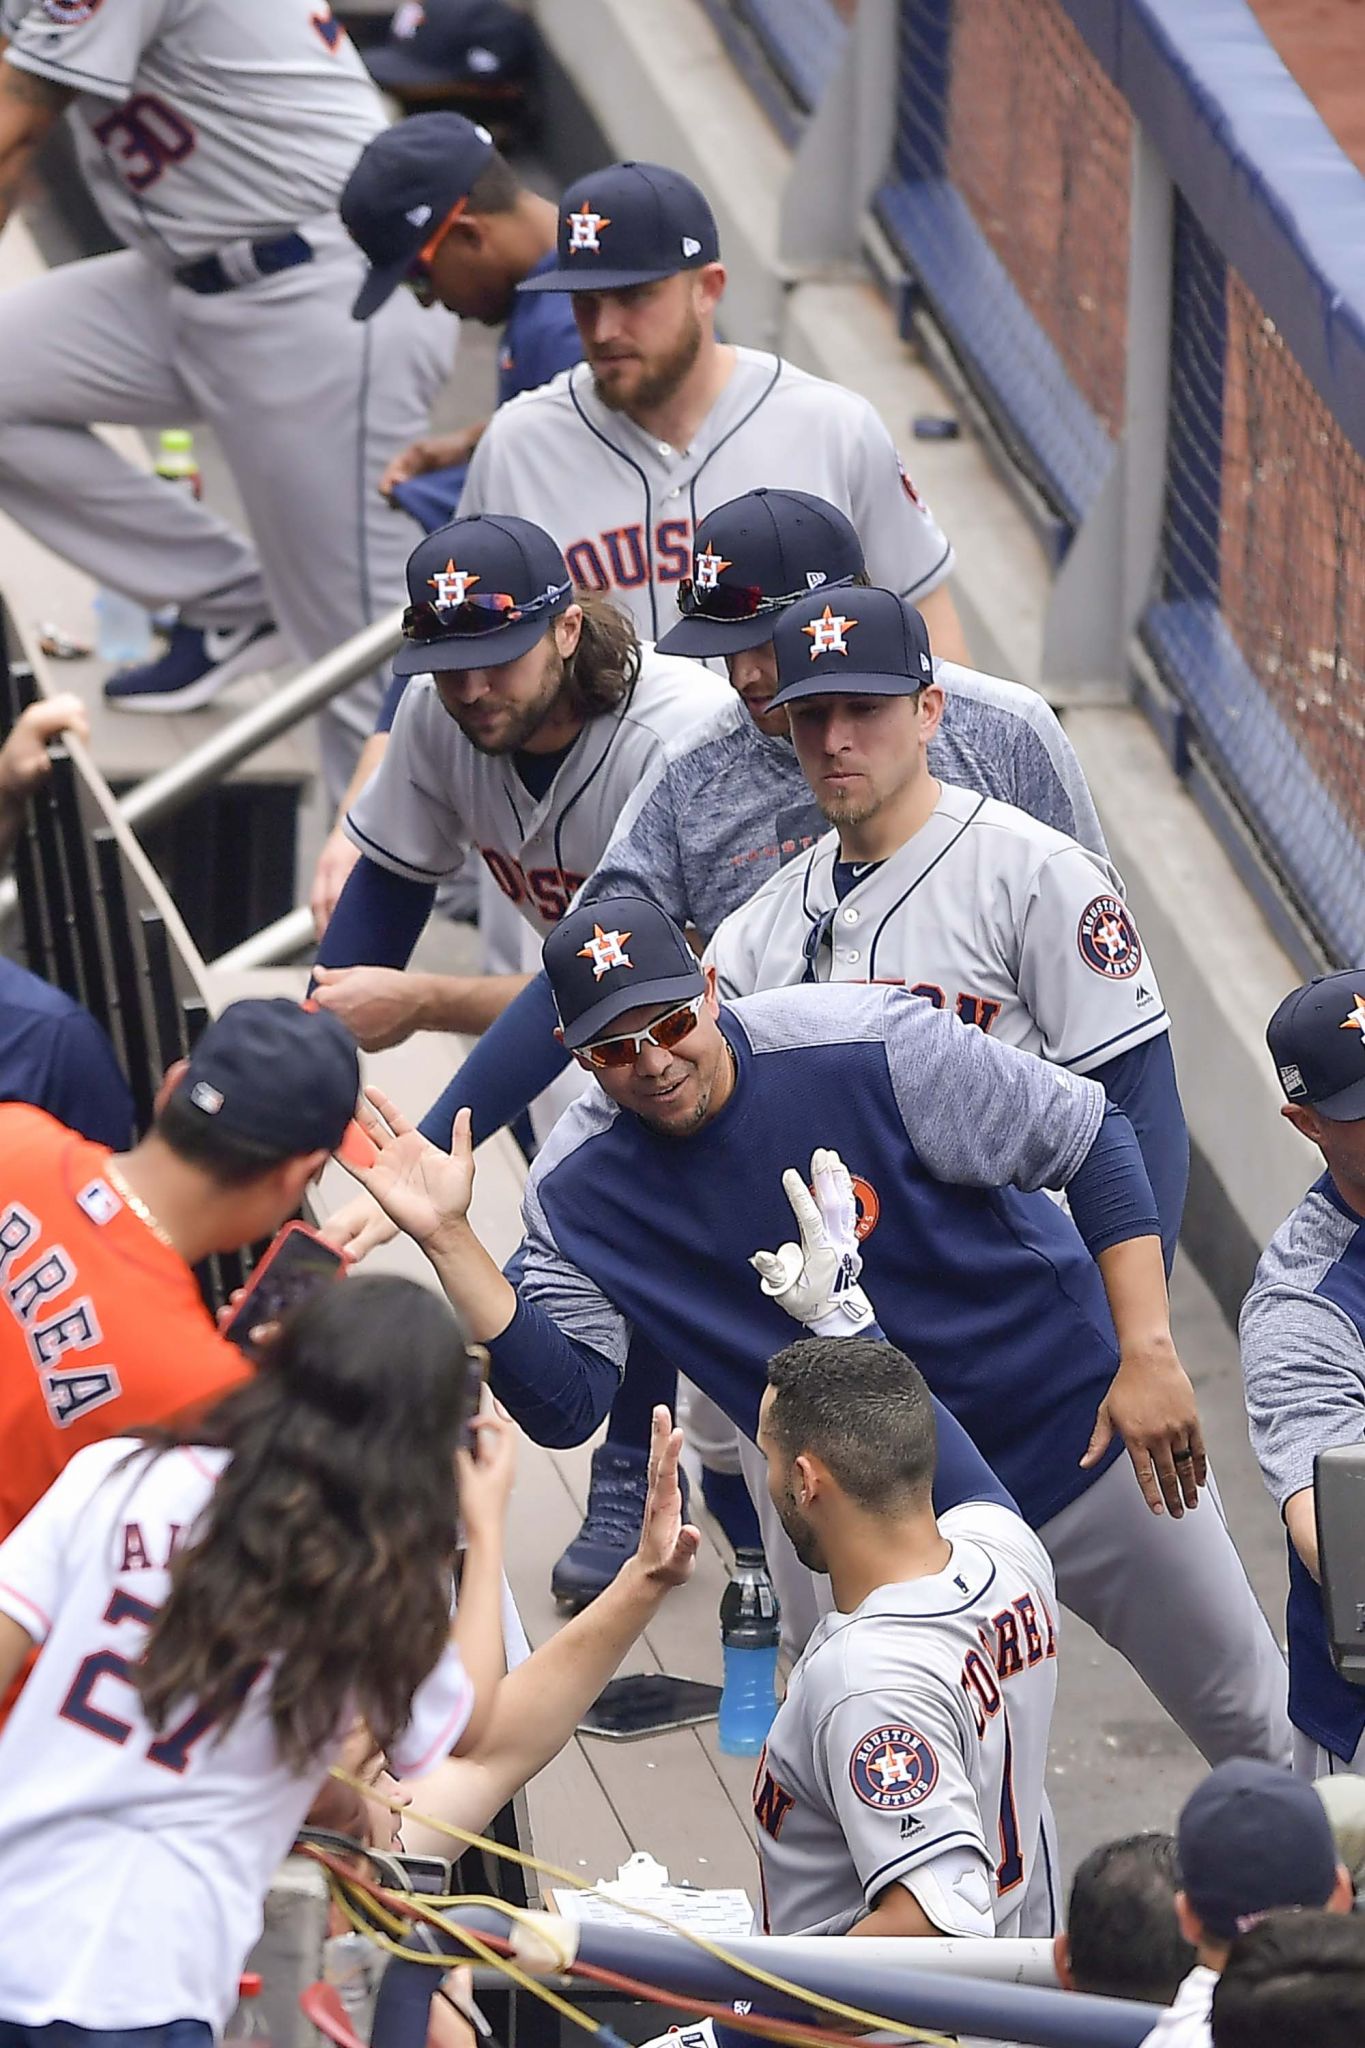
(1194, 486)
(925, 68)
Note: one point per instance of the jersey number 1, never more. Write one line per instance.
(1009, 1871)
(171, 1750)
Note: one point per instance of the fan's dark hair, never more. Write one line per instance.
(328, 1547)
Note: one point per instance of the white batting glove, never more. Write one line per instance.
(816, 1281)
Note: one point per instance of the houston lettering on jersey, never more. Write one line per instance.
(619, 558)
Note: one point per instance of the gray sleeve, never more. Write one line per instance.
(399, 819)
(573, 1302)
(1303, 1363)
(87, 48)
(982, 1113)
(1037, 769)
(643, 857)
(850, 1745)
(907, 550)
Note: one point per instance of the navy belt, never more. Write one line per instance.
(244, 263)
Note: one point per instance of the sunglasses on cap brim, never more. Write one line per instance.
(479, 611)
(665, 1032)
(731, 602)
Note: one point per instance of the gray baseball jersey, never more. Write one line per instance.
(623, 506)
(912, 1743)
(984, 911)
(203, 122)
(728, 805)
(434, 795)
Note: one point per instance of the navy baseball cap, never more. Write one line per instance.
(1317, 1041)
(862, 642)
(616, 955)
(279, 1075)
(404, 184)
(441, 45)
(483, 591)
(1253, 1838)
(752, 558)
(628, 224)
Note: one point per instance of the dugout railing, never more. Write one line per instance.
(1146, 255)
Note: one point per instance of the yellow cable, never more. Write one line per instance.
(795, 2037)
(817, 2000)
(341, 1891)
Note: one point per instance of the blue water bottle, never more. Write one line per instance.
(749, 1633)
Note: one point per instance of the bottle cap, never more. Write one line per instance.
(750, 1557)
(249, 1984)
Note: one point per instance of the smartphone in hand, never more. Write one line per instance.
(295, 1265)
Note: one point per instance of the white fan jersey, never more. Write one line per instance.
(434, 795)
(203, 122)
(157, 1850)
(985, 911)
(911, 1746)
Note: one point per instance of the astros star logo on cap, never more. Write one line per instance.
(708, 568)
(451, 584)
(1354, 1020)
(605, 950)
(584, 228)
(827, 633)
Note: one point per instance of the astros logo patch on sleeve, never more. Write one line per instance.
(1108, 939)
(893, 1769)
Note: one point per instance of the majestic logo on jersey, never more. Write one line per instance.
(605, 950)
(708, 568)
(451, 584)
(893, 1769)
(827, 633)
(1354, 1020)
(584, 228)
(1108, 939)
(911, 493)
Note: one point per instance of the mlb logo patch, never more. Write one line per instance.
(99, 1201)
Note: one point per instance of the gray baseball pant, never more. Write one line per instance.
(307, 404)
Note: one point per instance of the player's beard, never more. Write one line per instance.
(800, 1535)
(848, 810)
(526, 721)
(659, 380)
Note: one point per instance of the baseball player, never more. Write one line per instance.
(642, 1208)
(902, 1785)
(940, 889)
(216, 135)
(726, 805)
(433, 206)
(623, 456)
(1302, 1332)
(535, 717)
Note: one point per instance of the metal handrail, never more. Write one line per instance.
(172, 787)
